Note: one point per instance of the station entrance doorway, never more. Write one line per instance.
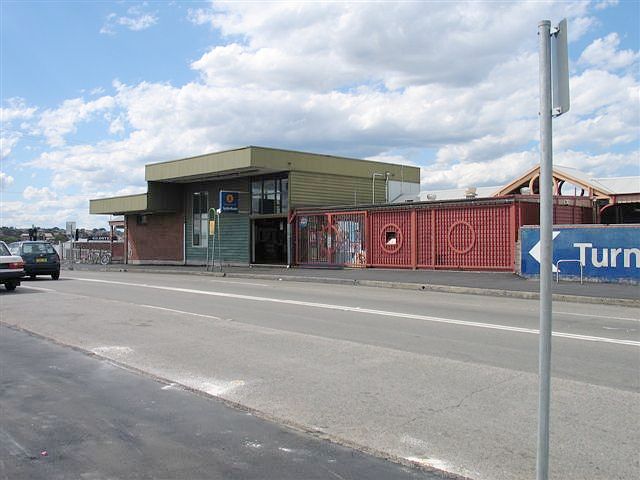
(270, 241)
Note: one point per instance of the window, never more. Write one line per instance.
(256, 196)
(269, 195)
(200, 218)
(284, 195)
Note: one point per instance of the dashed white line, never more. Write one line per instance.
(345, 308)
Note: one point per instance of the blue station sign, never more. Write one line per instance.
(229, 201)
(606, 253)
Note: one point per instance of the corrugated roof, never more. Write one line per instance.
(621, 185)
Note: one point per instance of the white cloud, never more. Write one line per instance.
(135, 20)
(17, 110)
(336, 45)
(34, 193)
(362, 80)
(5, 180)
(603, 4)
(8, 140)
(598, 165)
(57, 123)
(481, 173)
(604, 53)
(50, 212)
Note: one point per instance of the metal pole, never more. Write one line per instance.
(386, 187)
(208, 241)
(219, 242)
(546, 257)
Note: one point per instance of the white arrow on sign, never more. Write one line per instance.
(535, 252)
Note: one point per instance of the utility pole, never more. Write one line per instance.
(559, 97)
(546, 258)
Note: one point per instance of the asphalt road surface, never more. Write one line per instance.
(448, 381)
(66, 415)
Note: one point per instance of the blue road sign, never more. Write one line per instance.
(606, 253)
(228, 201)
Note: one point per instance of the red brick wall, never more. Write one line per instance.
(159, 240)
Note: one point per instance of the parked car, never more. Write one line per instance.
(40, 258)
(11, 268)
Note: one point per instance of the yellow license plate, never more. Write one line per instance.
(41, 260)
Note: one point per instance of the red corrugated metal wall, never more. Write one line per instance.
(441, 236)
(391, 241)
(473, 238)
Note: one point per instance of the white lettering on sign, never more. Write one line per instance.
(627, 256)
(608, 257)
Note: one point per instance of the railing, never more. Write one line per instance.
(567, 261)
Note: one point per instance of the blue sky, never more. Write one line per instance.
(91, 91)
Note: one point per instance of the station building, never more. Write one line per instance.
(169, 224)
(294, 208)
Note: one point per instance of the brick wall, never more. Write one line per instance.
(160, 240)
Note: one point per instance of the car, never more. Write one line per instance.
(11, 268)
(40, 258)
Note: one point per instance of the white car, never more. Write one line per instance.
(11, 268)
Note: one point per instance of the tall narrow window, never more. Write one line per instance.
(269, 197)
(256, 196)
(284, 195)
(199, 219)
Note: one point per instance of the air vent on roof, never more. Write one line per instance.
(431, 196)
(470, 192)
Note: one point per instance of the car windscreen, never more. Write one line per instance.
(4, 250)
(37, 248)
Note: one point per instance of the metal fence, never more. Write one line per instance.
(331, 239)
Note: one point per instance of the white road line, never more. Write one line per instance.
(181, 311)
(608, 317)
(368, 311)
(39, 289)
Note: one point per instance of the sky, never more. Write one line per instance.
(90, 92)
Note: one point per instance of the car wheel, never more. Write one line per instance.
(55, 276)
(11, 286)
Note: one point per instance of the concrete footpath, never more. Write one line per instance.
(502, 284)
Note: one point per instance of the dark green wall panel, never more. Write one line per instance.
(235, 226)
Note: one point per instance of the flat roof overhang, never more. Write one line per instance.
(119, 205)
(250, 161)
(159, 198)
(220, 175)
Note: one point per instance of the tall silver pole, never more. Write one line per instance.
(546, 226)
(219, 241)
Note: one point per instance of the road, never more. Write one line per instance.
(439, 379)
(66, 415)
